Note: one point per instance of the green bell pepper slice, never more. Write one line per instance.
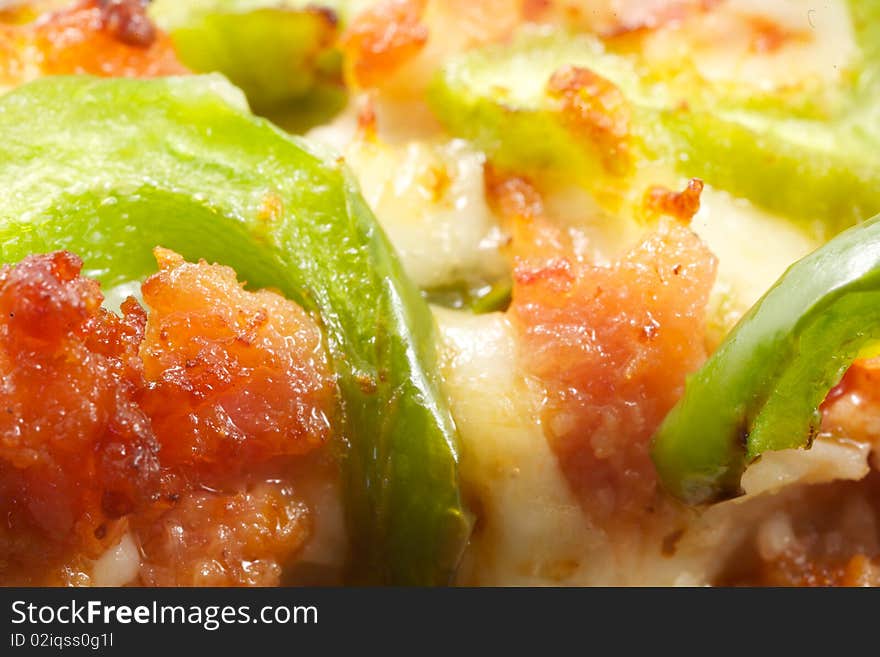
(761, 390)
(823, 174)
(280, 52)
(111, 168)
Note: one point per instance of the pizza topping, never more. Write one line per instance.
(211, 538)
(681, 205)
(762, 388)
(127, 20)
(613, 345)
(383, 38)
(107, 38)
(109, 420)
(596, 108)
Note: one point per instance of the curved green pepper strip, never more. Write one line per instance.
(761, 389)
(110, 168)
(827, 171)
(280, 52)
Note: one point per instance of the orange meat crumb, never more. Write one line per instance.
(216, 539)
(681, 205)
(235, 377)
(110, 423)
(110, 38)
(612, 346)
(76, 450)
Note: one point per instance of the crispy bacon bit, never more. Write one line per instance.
(223, 539)
(612, 345)
(76, 450)
(383, 38)
(108, 423)
(679, 205)
(596, 110)
(236, 377)
(366, 118)
(98, 37)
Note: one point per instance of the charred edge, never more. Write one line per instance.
(670, 543)
(128, 22)
(326, 14)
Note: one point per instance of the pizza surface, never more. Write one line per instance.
(395, 292)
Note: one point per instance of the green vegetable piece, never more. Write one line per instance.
(110, 168)
(761, 389)
(824, 177)
(498, 98)
(477, 296)
(278, 52)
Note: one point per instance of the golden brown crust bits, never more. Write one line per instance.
(383, 38)
(92, 36)
(512, 197)
(109, 423)
(596, 110)
(236, 377)
(76, 450)
(367, 121)
(681, 205)
(768, 36)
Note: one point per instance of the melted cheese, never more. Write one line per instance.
(429, 196)
(753, 247)
(765, 45)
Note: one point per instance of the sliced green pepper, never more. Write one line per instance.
(761, 389)
(280, 52)
(111, 168)
(498, 98)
